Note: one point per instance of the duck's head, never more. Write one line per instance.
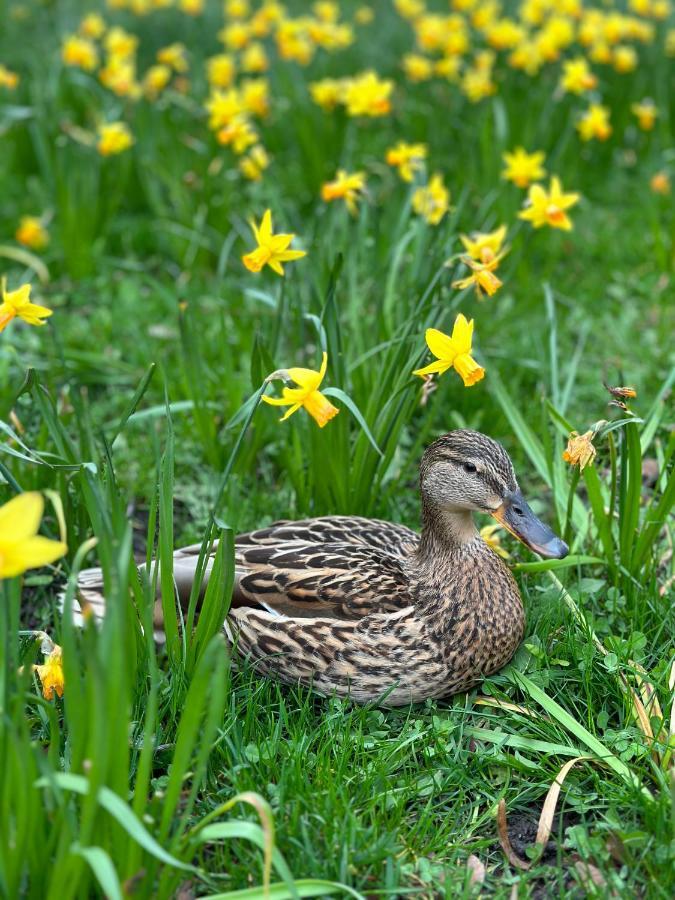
(466, 470)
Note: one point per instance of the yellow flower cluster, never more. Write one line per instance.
(365, 94)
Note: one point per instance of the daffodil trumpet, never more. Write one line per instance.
(517, 517)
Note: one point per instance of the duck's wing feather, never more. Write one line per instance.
(336, 580)
(395, 540)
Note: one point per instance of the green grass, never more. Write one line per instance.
(134, 406)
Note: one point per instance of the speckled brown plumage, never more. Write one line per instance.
(368, 609)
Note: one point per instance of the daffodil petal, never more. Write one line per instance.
(462, 333)
(20, 517)
(440, 344)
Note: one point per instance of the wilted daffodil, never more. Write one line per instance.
(646, 114)
(51, 672)
(433, 201)
(453, 352)
(548, 207)
(407, 158)
(18, 303)
(272, 249)
(580, 450)
(21, 547)
(345, 186)
(522, 168)
(484, 246)
(306, 394)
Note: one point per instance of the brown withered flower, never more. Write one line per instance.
(620, 395)
(580, 450)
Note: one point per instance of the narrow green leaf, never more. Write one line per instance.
(104, 870)
(355, 411)
(119, 810)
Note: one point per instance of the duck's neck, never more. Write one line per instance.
(444, 531)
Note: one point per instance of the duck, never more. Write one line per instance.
(375, 611)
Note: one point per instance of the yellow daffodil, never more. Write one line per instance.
(220, 70)
(407, 158)
(594, 123)
(254, 163)
(345, 186)
(490, 535)
(453, 352)
(51, 673)
(120, 43)
(482, 276)
(92, 26)
(272, 249)
(328, 92)
(580, 450)
(646, 113)
(79, 52)
(484, 246)
(432, 201)
(254, 59)
(239, 133)
(577, 76)
(368, 95)
(364, 15)
(155, 80)
(522, 168)
(8, 79)
(306, 394)
(417, 67)
(624, 59)
(174, 56)
(18, 304)
(113, 138)
(548, 207)
(21, 547)
(660, 183)
(32, 233)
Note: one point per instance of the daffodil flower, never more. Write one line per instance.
(272, 249)
(548, 207)
(21, 547)
(18, 303)
(484, 246)
(522, 168)
(306, 394)
(453, 352)
(51, 673)
(346, 186)
(482, 276)
(580, 450)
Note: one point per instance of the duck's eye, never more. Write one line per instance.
(470, 468)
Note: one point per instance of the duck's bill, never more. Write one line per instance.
(516, 516)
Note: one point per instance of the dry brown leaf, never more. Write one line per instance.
(545, 819)
(503, 832)
(590, 875)
(551, 801)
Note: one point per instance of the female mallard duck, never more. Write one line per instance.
(367, 609)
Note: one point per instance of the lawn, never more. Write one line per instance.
(142, 143)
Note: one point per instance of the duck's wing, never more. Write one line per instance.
(336, 580)
(395, 540)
